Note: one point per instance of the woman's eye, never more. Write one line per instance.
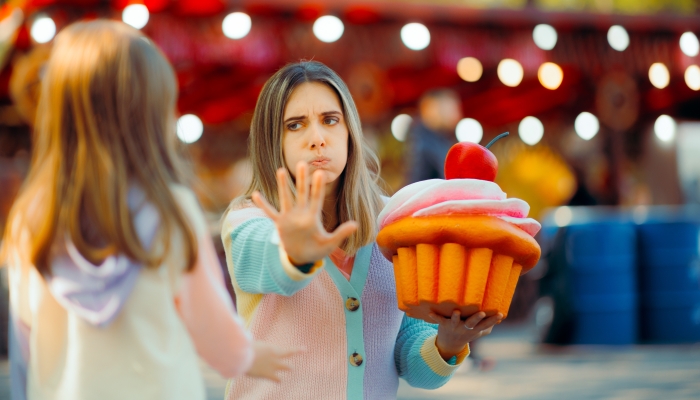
(294, 126)
(331, 121)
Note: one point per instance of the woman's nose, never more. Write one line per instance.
(317, 139)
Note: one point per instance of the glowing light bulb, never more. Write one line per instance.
(689, 44)
(586, 125)
(469, 69)
(531, 130)
(236, 25)
(415, 36)
(469, 130)
(665, 128)
(658, 75)
(135, 15)
(189, 128)
(692, 77)
(618, 38)
(545, 36)
(550, 75)
(510, 72)
(400, 125)
(328, 28)
(43, 30)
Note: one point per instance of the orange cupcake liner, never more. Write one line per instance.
(441, 278)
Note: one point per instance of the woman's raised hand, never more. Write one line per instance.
(300, 223)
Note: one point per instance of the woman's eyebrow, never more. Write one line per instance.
(298, 118)
(326, 113)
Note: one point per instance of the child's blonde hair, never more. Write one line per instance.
(105, 122)
(359, 193)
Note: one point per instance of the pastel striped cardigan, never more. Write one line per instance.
(282, 305)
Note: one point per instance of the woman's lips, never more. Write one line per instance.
(320, 161)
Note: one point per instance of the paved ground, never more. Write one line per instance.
(526, 371)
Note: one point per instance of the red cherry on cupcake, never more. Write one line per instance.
(467, 160)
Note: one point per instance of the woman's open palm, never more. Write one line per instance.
(300, 223)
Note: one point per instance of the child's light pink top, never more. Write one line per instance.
(150, 350)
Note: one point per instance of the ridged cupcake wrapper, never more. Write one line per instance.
(443, 278)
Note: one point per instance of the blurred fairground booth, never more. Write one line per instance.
(589, 85)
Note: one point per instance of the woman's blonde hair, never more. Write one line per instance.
(105, 122)
(359, 197)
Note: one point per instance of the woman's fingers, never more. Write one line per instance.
(318, 189)
(474, 320)
(341, 233)
(455, 318)
(489, 322)
(260, 201)
(302, 185)
(283, 190)
(435, 318)
(486, 332)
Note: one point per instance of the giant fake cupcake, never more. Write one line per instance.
(459, 243)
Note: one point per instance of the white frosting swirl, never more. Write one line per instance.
(457, 196)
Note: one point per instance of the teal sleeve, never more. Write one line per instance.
(417, 359)
(255, 255)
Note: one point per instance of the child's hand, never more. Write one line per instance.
(300, 224)
(454, 335)
(269, 360)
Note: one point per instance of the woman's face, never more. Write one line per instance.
(315, 132)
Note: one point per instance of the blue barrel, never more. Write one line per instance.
(601, 257)
(669, 281)
(671, 317)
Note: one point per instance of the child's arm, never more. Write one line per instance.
(419, 358)
(280, 254)
(205, 306)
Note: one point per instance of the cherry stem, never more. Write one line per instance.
(502, 135)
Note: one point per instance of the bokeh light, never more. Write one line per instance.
(236, 25)
(469, 130)
(328, 28)
(469, 69)
(689, 44)
(135, 15)
(510, 72)
(545, 36)
(692, 77)
(550, 75)
(400, 125)
(563, 216)
(43, 30)
(415, 36)
(189, 128)
(658, 75)
(665, 128)
(586, 125)
(618, 38)
(531, 130)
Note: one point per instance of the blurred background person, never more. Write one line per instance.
(432, 134)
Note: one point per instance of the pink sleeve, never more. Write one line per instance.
(208, 313)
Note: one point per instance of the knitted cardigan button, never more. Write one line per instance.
(352, 304)
(355, 360)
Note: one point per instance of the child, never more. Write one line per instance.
(115, 284)
(296, 283)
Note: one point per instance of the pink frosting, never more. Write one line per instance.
(457, 196)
